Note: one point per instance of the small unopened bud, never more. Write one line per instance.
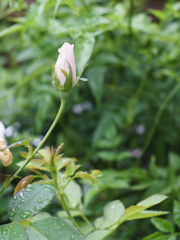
(5, 155)
(64, 72)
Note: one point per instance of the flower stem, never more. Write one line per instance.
(64, 95)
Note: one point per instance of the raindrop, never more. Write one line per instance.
(12, 212)
(25, 214)
(22, 201)
(47, 201)
(14, 233)
(48, 189)
(21, 194)
(38, 209)
(15, 197)
(4, 230)
(39, 200)
(29, 189)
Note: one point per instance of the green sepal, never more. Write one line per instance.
(56, 83)
(69, 79)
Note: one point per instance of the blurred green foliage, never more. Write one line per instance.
(129, 105)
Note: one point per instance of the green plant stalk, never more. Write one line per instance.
(86, 220)
(64, 203)
(65, 206)
(116, 227)
(64, 95)
(156, 120)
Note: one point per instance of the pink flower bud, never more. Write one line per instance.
(65, 68)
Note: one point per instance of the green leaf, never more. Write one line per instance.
(20, 4)
(138, 211)
(96, 78)
(176, 213)
(74, 213)
(152, 200)
(73, 193)
(70, 3)
(24, 142)
(146, 214)
(123, 155)
(11, 29)
(30, 201)
(153, 236)
(86, 176)
(160, 236)
(83, 50)
(103, 123)
(51, 229)
(58, 2)
(97, 235)
(113, 211)
(39, 216)
(70, 168)
(163, 225)
(12, 231)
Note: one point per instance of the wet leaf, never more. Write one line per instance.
(30, 201)
(13, 231)
(50, 228)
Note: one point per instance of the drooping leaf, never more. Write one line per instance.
(30, 201)
(50, 228)
(13, 231)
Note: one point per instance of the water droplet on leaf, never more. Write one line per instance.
(25, 214)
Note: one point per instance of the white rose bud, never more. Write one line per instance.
(64, 74)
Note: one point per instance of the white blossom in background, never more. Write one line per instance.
(2, 130)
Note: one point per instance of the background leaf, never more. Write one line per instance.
(162, 225)
(83, 50)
